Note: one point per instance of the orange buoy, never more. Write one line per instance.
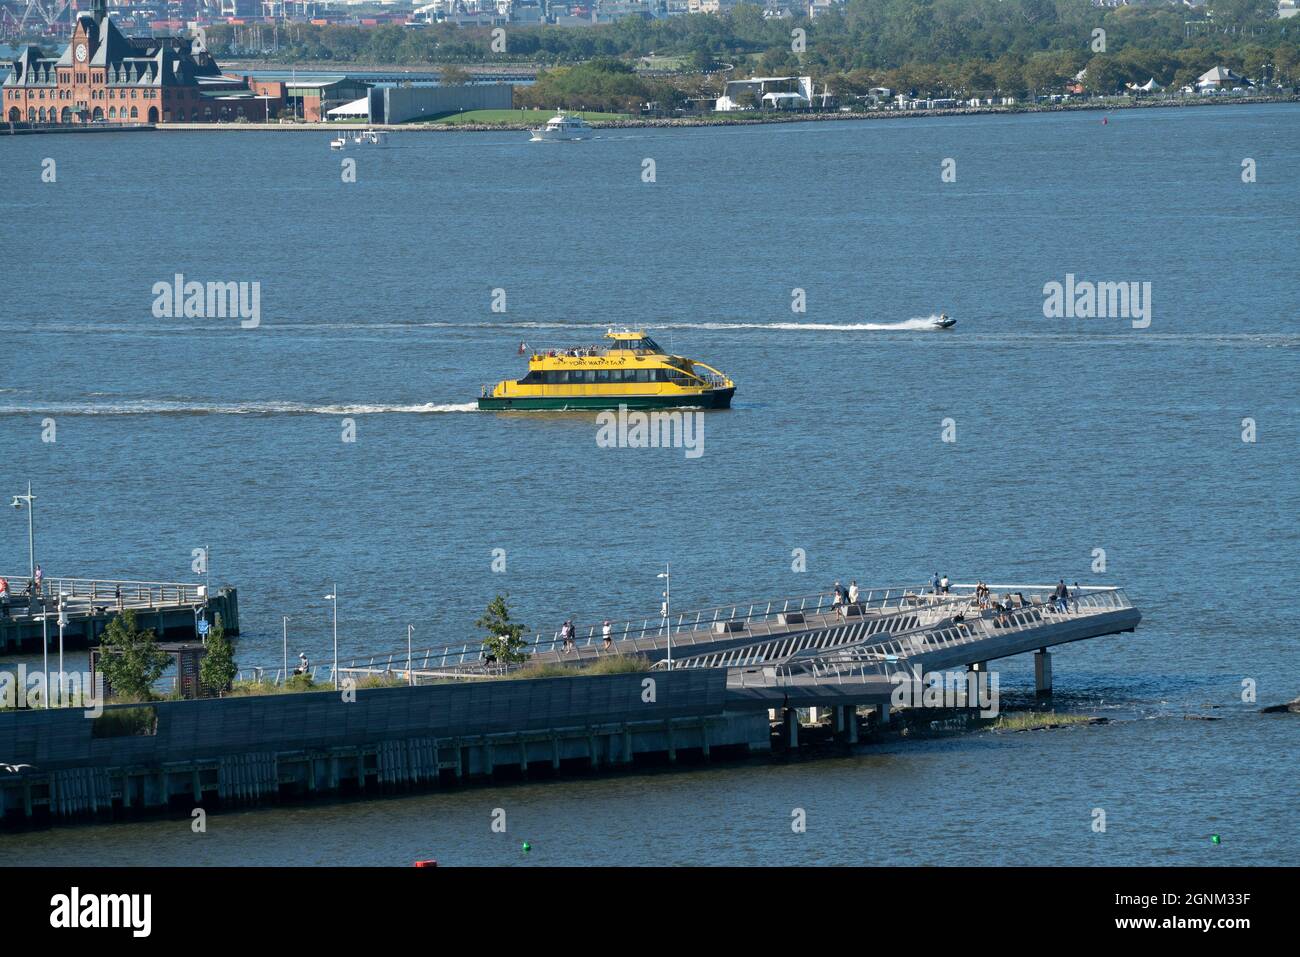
(426, 863)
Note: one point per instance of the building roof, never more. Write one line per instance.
(132, 61)
(359, 107)
(1218, 75)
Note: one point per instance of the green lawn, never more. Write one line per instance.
(529, 117)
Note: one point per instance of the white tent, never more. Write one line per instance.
(357, 108)
(1150, 86)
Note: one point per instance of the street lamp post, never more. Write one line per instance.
(29, 500)
(334, 597)
(410, 630)
(63, 620)
(667, 575)
(284, 623)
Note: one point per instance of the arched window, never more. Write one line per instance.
(98, 114)
(65, 115)
(153, 114)
(14, 115)
(41, 114)
(31, 114)
(112, 112)
(135, 114)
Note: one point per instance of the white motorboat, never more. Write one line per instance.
(338, 142)
(943, 322)
(560, 128)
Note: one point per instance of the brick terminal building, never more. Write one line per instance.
(103, 76)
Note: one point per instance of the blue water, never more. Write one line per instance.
(1072, 435)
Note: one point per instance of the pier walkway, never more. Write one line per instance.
(170, 608)
(801, 642)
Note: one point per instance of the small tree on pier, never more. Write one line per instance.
(505, 640)
(130, 658)
(217, 667)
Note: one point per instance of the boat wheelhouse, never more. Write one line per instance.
(561, 127)
(628, 369)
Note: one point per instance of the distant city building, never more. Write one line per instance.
(103, 76)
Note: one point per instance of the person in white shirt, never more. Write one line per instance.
(853, 593)
(605, 633)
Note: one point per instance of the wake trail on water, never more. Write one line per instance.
(919, 323)
(243, 408)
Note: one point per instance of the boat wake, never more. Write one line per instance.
(247, 408)
(916, 324)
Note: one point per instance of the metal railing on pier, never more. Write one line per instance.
(90, 592)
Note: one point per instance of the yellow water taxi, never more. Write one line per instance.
(630, 369)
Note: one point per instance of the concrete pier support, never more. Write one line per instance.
(850, 720)
(1043, 673)
(791, 728)
(840, 711)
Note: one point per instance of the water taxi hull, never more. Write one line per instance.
(714, 399)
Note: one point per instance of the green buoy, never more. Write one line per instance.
(528, 847)
(1214, 839)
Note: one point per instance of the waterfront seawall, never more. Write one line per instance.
(231, 751)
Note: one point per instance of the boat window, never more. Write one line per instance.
(649, 344)
(602, 375)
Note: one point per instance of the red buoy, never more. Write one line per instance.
(426, 863)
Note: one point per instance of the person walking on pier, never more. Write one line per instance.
(837, 597)
(303, 664)
(853, 592)
(943, 584)
(607, 641)
(935, 583)
(566, 635)
(40, 576)
(1060, 595)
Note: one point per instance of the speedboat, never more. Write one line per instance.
(371, 138)
(943, 322)
(338, 142)
(630, 370)
(561, 127)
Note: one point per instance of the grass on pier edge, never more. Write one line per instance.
(609, 665)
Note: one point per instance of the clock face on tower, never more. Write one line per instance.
(81, 53)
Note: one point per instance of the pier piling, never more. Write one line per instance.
(1043, 673)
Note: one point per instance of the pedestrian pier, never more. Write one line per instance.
(171, 609)
(728, 680)
(906, 625)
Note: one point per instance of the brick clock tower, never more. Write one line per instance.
(103, 76)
